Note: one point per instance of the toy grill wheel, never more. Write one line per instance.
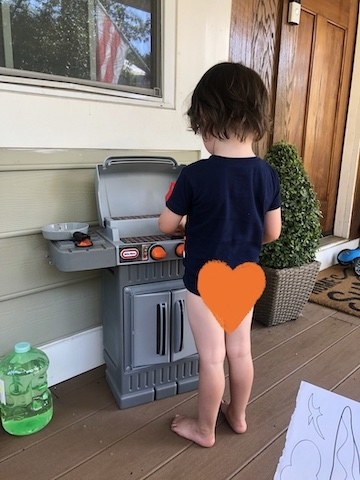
(356, 265)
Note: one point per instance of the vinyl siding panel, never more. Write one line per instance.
(34, 197)
(25, 267)
(38, 303)
(43, 316)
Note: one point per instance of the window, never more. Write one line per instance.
(115, 44)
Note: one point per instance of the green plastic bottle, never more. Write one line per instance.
(25, 400)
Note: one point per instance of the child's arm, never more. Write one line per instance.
(272, 225)
(169, 221)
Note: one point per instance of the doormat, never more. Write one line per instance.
(338, 287)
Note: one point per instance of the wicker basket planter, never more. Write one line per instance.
(286, 293)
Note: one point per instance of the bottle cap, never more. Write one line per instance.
(22, 347)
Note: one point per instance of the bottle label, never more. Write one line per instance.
(2, 392)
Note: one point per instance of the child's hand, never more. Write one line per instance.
(180, 231)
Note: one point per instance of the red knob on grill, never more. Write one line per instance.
(179, 250)
(158, 252)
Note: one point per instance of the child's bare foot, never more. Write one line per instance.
(188, 428)
(237, 424)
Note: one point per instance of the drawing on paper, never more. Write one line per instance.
(314, 414)
(323, 438)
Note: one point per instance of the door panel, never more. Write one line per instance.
(294, 90)
(315, 66)
(182, 340)
(254, 40)
(308, 69)
(151, 328)
(338, 11)
(160, 330)
(322, 158)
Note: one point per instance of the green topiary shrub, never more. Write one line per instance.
(301, 230)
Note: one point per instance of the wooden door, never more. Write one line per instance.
(314, 74)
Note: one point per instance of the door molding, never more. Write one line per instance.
(351, 150)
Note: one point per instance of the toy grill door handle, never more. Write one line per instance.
(178, 324)
(161, 321)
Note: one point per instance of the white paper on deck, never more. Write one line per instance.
(323, 438)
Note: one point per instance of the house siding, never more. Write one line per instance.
(50, 143)
(38, 303)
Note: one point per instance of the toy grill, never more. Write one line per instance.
(149, 350)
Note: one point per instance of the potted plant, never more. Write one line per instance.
(289, 263)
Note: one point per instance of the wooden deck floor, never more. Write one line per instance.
(90, 438)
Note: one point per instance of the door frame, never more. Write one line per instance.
(351, 152)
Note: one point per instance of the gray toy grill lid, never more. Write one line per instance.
(132, 186)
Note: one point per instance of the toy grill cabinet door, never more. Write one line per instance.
(182, 340)
(151, 323)
(160, 328)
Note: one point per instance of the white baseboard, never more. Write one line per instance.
(327, 254)
(74, 355)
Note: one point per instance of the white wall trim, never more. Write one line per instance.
(327, 255)
(74, 355)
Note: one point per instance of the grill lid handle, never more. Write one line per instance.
(127, 160)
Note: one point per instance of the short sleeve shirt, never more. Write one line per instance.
(225, 200)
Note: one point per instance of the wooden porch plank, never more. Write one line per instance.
(268, 417)
(350, 386)
(347, 318)
(68, 410)
(291, 355)
(79, 397)
(91, 438)
(266, 338)
(150, 447)
(92, 376)
(264, 465)
(83, 438)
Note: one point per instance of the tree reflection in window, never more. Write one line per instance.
(62, 38)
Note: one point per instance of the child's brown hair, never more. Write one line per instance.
(230, 99)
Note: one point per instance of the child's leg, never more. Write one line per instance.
(241, 374)
(210, 342)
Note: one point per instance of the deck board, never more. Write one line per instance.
(268, 416)
(259, 467)
(89, 437)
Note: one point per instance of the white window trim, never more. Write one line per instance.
(94, 93)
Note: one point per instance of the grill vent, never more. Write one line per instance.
(145, 239)
(152, 272)
(160, 375)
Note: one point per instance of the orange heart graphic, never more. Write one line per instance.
(230, 293)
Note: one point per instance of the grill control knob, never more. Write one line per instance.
(158, 252)
(179, 249)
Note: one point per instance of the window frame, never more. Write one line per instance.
(36, 82)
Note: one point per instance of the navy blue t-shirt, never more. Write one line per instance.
(225, 200)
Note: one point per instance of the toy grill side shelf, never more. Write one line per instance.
(69, 258)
